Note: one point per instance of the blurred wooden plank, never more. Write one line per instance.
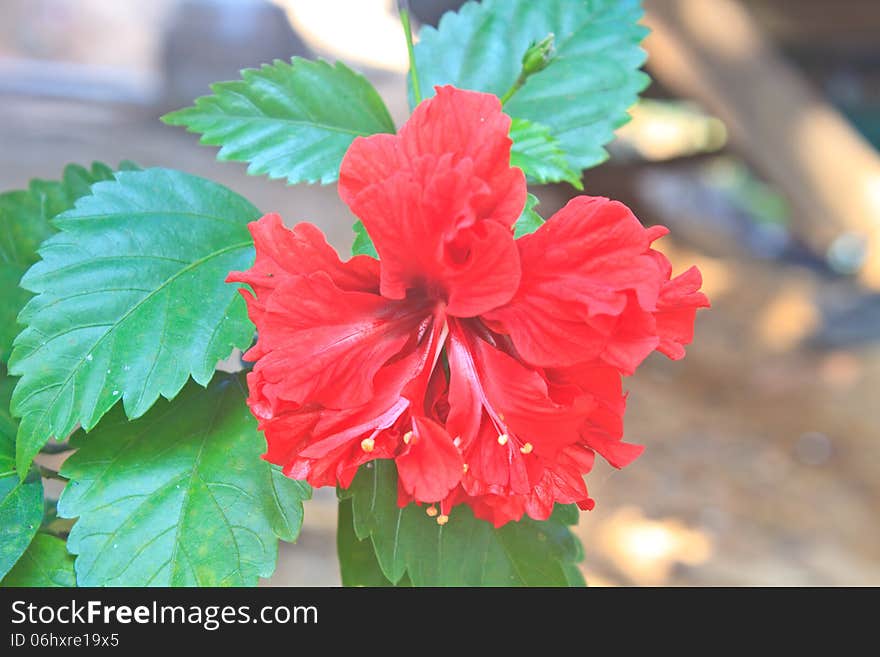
(716, 53)
(842, 26)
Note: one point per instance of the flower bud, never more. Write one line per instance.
(539, 55)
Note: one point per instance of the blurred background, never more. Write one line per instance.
(756, 144)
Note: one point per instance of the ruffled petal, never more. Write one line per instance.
(282, 252)
(324, 445)
(429, 237)
(580, 271)
(498, 509)
(321, 344)
(677, 310)
(465, 124)
(439, 201)
(602, 431)
(562, 483)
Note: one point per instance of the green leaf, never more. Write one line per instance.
(582, 95)
(464, 552)
(357, 561)
(573, 575)
(179, 497)
(529, 221)
(45, 563)
(24, 223)
(131, 301)
(291, 121)
(376, 515)
(21, 502)
(538, 154)
(363, 245)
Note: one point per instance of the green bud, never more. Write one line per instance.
(539, 55)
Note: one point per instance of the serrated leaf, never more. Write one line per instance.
(529, 221)
(45, 563)
(582, 96)
(21, 502)
(362, 245)
(179, 497)
(24, 223)
(288, 120)
(131, 301)
(464, 552)
(537, 152)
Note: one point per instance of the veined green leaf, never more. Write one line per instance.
(582, 95)
(179, 497)
(288, 120)
(538, 154)
(357, 560)
(130, 302)
(24, 223)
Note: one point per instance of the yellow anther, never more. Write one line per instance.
(503, 438)
(442, 519)
(431, 511)
(464, 468)
(367, 444)
(527, 448)
(407, 437)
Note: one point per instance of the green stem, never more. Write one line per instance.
(403, 10)
(520, 81)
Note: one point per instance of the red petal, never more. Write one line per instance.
(438, 201)
(615, 451)
(472, 125)
(579, 271)
(493, 388)
(562, 483)
(431, 466)
(326, 446)
(467, 124)
(321, 344)
(498, 509)
(283, 253)
(429, 235)
(677, 310)
(631, 338)
(301, 250)
(604, 427)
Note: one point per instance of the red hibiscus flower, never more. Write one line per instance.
(488, 368)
